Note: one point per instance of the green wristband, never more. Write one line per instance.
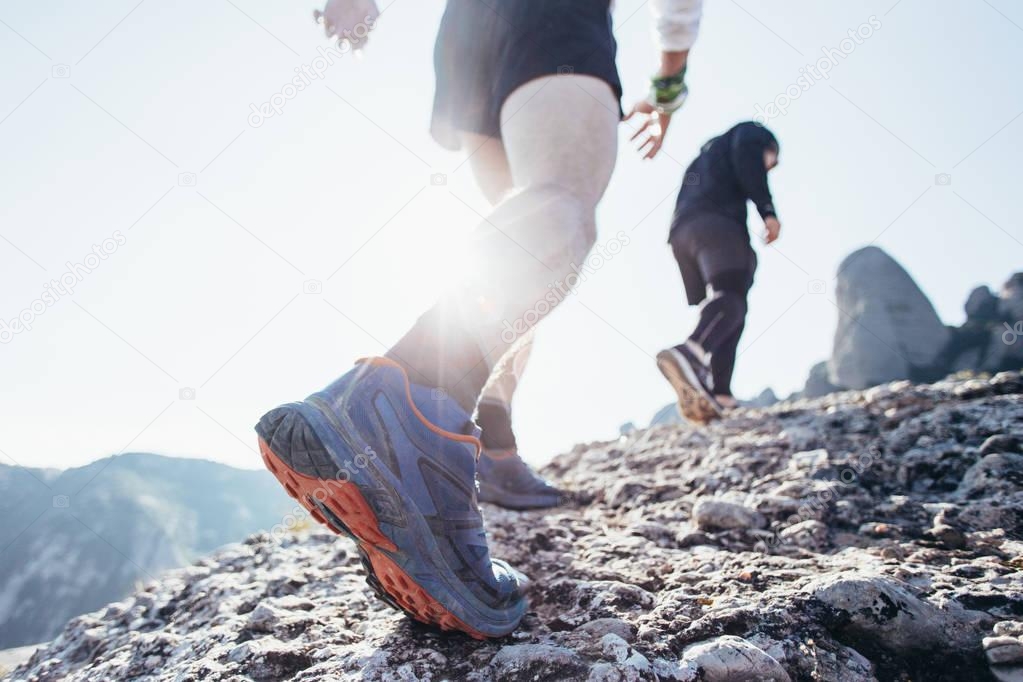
(669, 93)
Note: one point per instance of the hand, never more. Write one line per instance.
(348, 19)
(655, 126)
(772, 228)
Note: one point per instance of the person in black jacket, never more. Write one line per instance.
(711, 243)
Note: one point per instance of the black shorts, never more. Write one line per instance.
(486, 49)
(712, 248)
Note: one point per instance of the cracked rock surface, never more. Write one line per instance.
(866, 535)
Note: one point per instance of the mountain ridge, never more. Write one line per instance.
(78, 538)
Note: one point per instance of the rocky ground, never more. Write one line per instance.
(873, 535)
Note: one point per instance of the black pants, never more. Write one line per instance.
(717, 264)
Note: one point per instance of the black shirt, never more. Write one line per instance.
(728, 172)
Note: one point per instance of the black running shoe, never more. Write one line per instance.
(690, 378)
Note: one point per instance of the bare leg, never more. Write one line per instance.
(490, 167)
(495, 406)
(561, 142)
(489, 164)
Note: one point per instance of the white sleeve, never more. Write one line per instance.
(677, 23)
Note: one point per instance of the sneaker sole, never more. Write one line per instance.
(693, 401)
(358, 522)
(342, 507)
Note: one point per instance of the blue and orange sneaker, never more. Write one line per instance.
(392, 465)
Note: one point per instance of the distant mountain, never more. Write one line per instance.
(73, 540)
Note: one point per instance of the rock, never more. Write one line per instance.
(948, 536)
(1010, 299)
(673, 671)
(732, 659)
(766, 398)
(887, 328)
(709, 514)
(625, 586)
(1001, 443)
(818, 382)
(657, 533)
(801, 438)
(624, 491)
(603, 672)
(1009, 628)
(809, 461)
(981, 305)
(536, 662)
(637, 666)
(263, 618)
(269, 658)
(604, 626)
(809, 534)
(614, 647)
(886, 613)
(995, 473)
(668, 414)
(1003, 650)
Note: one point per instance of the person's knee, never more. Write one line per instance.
(567, 219)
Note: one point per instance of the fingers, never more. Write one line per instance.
(650, 146)
(642, 129)
(328, 25)
(655, 146)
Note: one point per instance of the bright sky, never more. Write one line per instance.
(205, 288)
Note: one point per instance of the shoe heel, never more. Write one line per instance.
(296, 456)
(293, 440)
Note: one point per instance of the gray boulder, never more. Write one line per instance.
(667, 415)
(1010, 299)
(766, 398)
(732, 659)
(981, 305)
(887, 328)
(881, 610)
(817, 383)
(711, 514)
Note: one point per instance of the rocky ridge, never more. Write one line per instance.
(870, 535)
